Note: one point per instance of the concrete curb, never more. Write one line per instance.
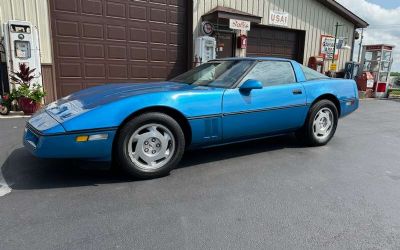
(14, 114)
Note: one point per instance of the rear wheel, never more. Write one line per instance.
(320, 125)
(150, 145)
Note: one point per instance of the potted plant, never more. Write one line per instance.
(5, 104)
(29, 95)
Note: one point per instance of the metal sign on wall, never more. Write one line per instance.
(236, 24)
(327, 47)
(207, 28)
(278, 18)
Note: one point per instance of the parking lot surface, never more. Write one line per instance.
(267, 194)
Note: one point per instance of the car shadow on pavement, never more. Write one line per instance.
(22, 171)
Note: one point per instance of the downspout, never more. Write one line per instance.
(353, 43)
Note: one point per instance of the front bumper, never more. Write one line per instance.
(64, 145)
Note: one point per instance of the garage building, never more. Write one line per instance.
(90, 42)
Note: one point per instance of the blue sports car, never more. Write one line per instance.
(145, 128)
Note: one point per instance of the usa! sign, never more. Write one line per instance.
(279, 18)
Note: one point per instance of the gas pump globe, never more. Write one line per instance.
(377, 60)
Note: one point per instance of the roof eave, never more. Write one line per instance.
(344, 12)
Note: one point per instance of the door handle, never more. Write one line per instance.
(297, 92)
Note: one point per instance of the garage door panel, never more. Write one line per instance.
(139, 71)
(92, 31)
(158, 15)
(95, 70)
(159, 72)
(68, 49)
(114, 32)
(138, 53)
(273, 42)
(99, 41)
(92, 7)
(62, 5)
(138, 12)
(116, 52)
(93, 51)
(117, 71)
(176, 17)
(158, 36)
(158, 1)
(138, 34)
(179, 3)
(70, 88)
(158, 54)
(115, 9)
(67, 28)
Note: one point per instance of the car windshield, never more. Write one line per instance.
(220, 74)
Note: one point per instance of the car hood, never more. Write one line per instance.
(87, 99)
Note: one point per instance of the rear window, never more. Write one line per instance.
(311, 74)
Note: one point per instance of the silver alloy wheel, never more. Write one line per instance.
(151, 146)
(323, 123)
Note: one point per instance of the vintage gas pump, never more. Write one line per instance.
(22, 46)
(351, 70)
(377, 60)
(204, 49)
(316, 63)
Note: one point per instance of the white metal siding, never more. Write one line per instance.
(308, 15)
(35, 11)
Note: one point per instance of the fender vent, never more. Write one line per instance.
(211, 128)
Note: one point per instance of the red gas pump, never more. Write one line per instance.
(242, 42)
(365, 82)
(316, 63)
(377, 60)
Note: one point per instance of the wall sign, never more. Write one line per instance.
(239, 24)
(327, 45)
(207, 28)
(278, 18)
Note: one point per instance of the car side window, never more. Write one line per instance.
(272, 73)
(311, 74)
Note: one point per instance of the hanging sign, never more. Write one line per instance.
(207, 28)
(327, 47)
(239, 24)
(278, 18)
(333, 67)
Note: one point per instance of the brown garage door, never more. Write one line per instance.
(101, 41)
(275, 42)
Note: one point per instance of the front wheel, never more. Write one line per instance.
(320, 125)
(150, 145)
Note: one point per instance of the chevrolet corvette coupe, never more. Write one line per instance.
(145, 128)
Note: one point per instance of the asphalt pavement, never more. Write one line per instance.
(267, 194)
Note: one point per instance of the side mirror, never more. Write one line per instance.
(250, 84)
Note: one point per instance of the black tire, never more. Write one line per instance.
(306, 133)
(124, 161)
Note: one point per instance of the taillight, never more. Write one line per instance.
(381, 87)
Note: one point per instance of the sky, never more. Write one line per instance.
(383, 17)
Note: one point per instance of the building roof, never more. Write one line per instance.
(229, 13)
(345, 13)
(225, 12)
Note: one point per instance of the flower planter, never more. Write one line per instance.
(28, 105)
